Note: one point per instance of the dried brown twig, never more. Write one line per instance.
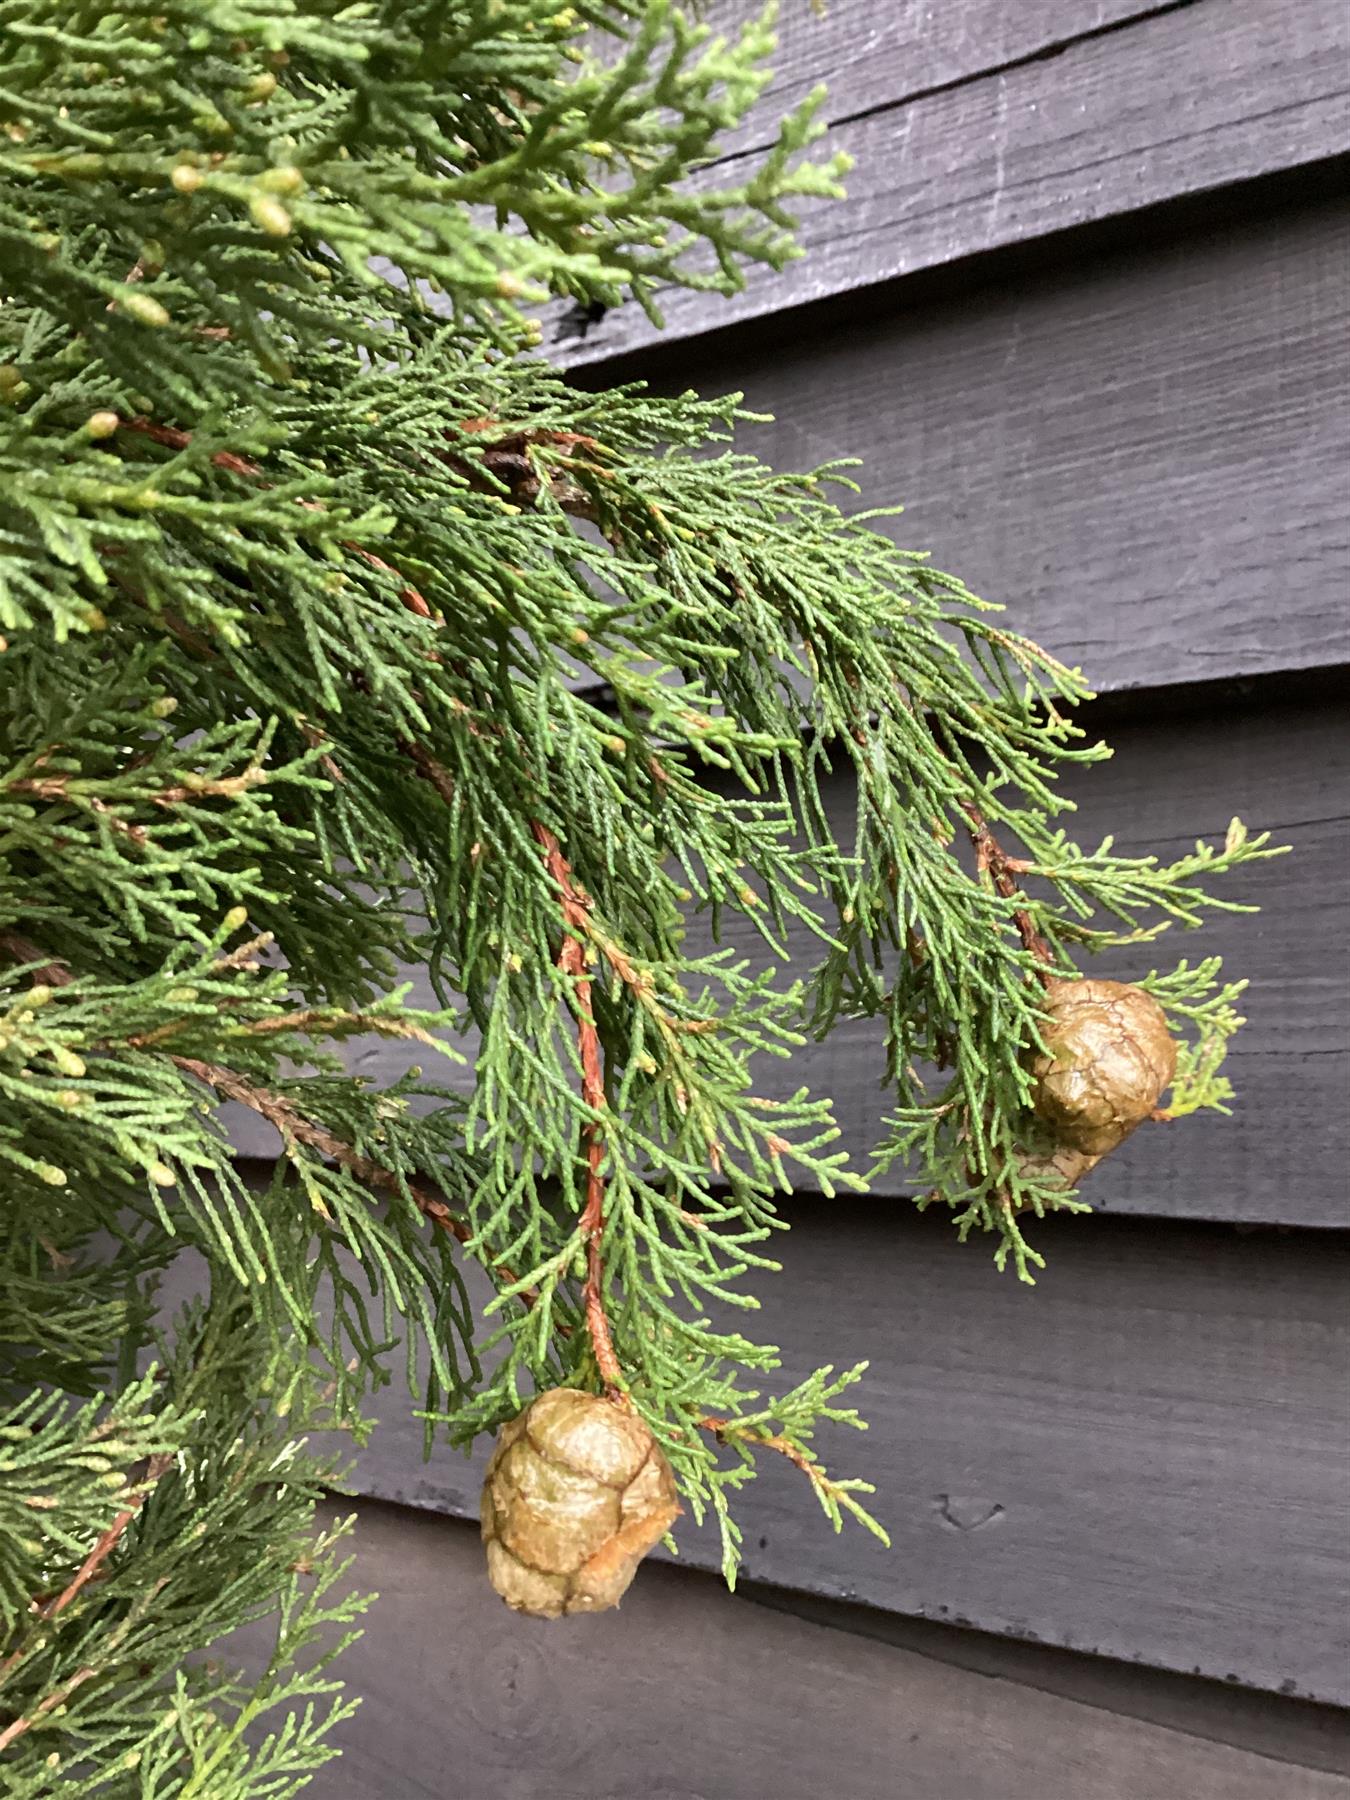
(89, 1570)
(572, 962)
(992, 859)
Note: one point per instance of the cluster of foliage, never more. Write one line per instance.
(342, 637)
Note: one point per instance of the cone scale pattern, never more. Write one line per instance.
(576, 1494)
(1108, 1059)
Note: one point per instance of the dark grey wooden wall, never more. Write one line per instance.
(1085, 312)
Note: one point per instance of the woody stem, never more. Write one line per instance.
(992, 857)
(571, 960)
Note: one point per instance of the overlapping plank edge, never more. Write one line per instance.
(1064, 120)
(1140, 452)
(1142, 1459)
(1281, 1157)
(688, 1693)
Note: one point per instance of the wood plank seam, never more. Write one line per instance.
(1158, 1504)
(980, 1653)
(1002, 146)
(988, 72)
(767, 1692)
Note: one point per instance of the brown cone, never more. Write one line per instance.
(1063, 1167)
(576, 1494)
(1108, 1059)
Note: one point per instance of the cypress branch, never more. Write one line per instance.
(341, 637)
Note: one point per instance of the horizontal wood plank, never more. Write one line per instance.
(1142, 456)
(1145, 1457)
(870, 57)
(1282, 1156)
(689, 1694)
(1304, 1732)
(1182, 101)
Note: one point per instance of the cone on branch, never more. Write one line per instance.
(1108, 1057)
(576, 1494)
(304, 582)
(1060, 1167)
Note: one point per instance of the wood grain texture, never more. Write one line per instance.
(1141, 455)
(1145, 1457)
(687, 1693)
(1182, 101)
(1282, 1156)
(1304, 1732)
(869, 57)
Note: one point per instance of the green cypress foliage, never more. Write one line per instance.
(341, 635)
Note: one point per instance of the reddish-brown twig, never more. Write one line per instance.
(174, 439)
(292, 1124)
(19, 949)
(16, 1728)
(87, 1671)
(88, 1571)
(993, 859)
(276, 1108)
(508, 460)
(722, 1429)
(572, 962)
(106, 1544)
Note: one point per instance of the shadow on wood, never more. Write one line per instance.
(690, 1694)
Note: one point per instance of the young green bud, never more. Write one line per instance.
(270, 215)
(142, 307)
(284, 179)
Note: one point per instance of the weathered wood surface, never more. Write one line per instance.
(1304, 1732)
(1146, 1457)
(1282, 1156)
(1283, 1153)
(687, 1693)
(1185, 100)
(1141, 454)
(870, 56)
